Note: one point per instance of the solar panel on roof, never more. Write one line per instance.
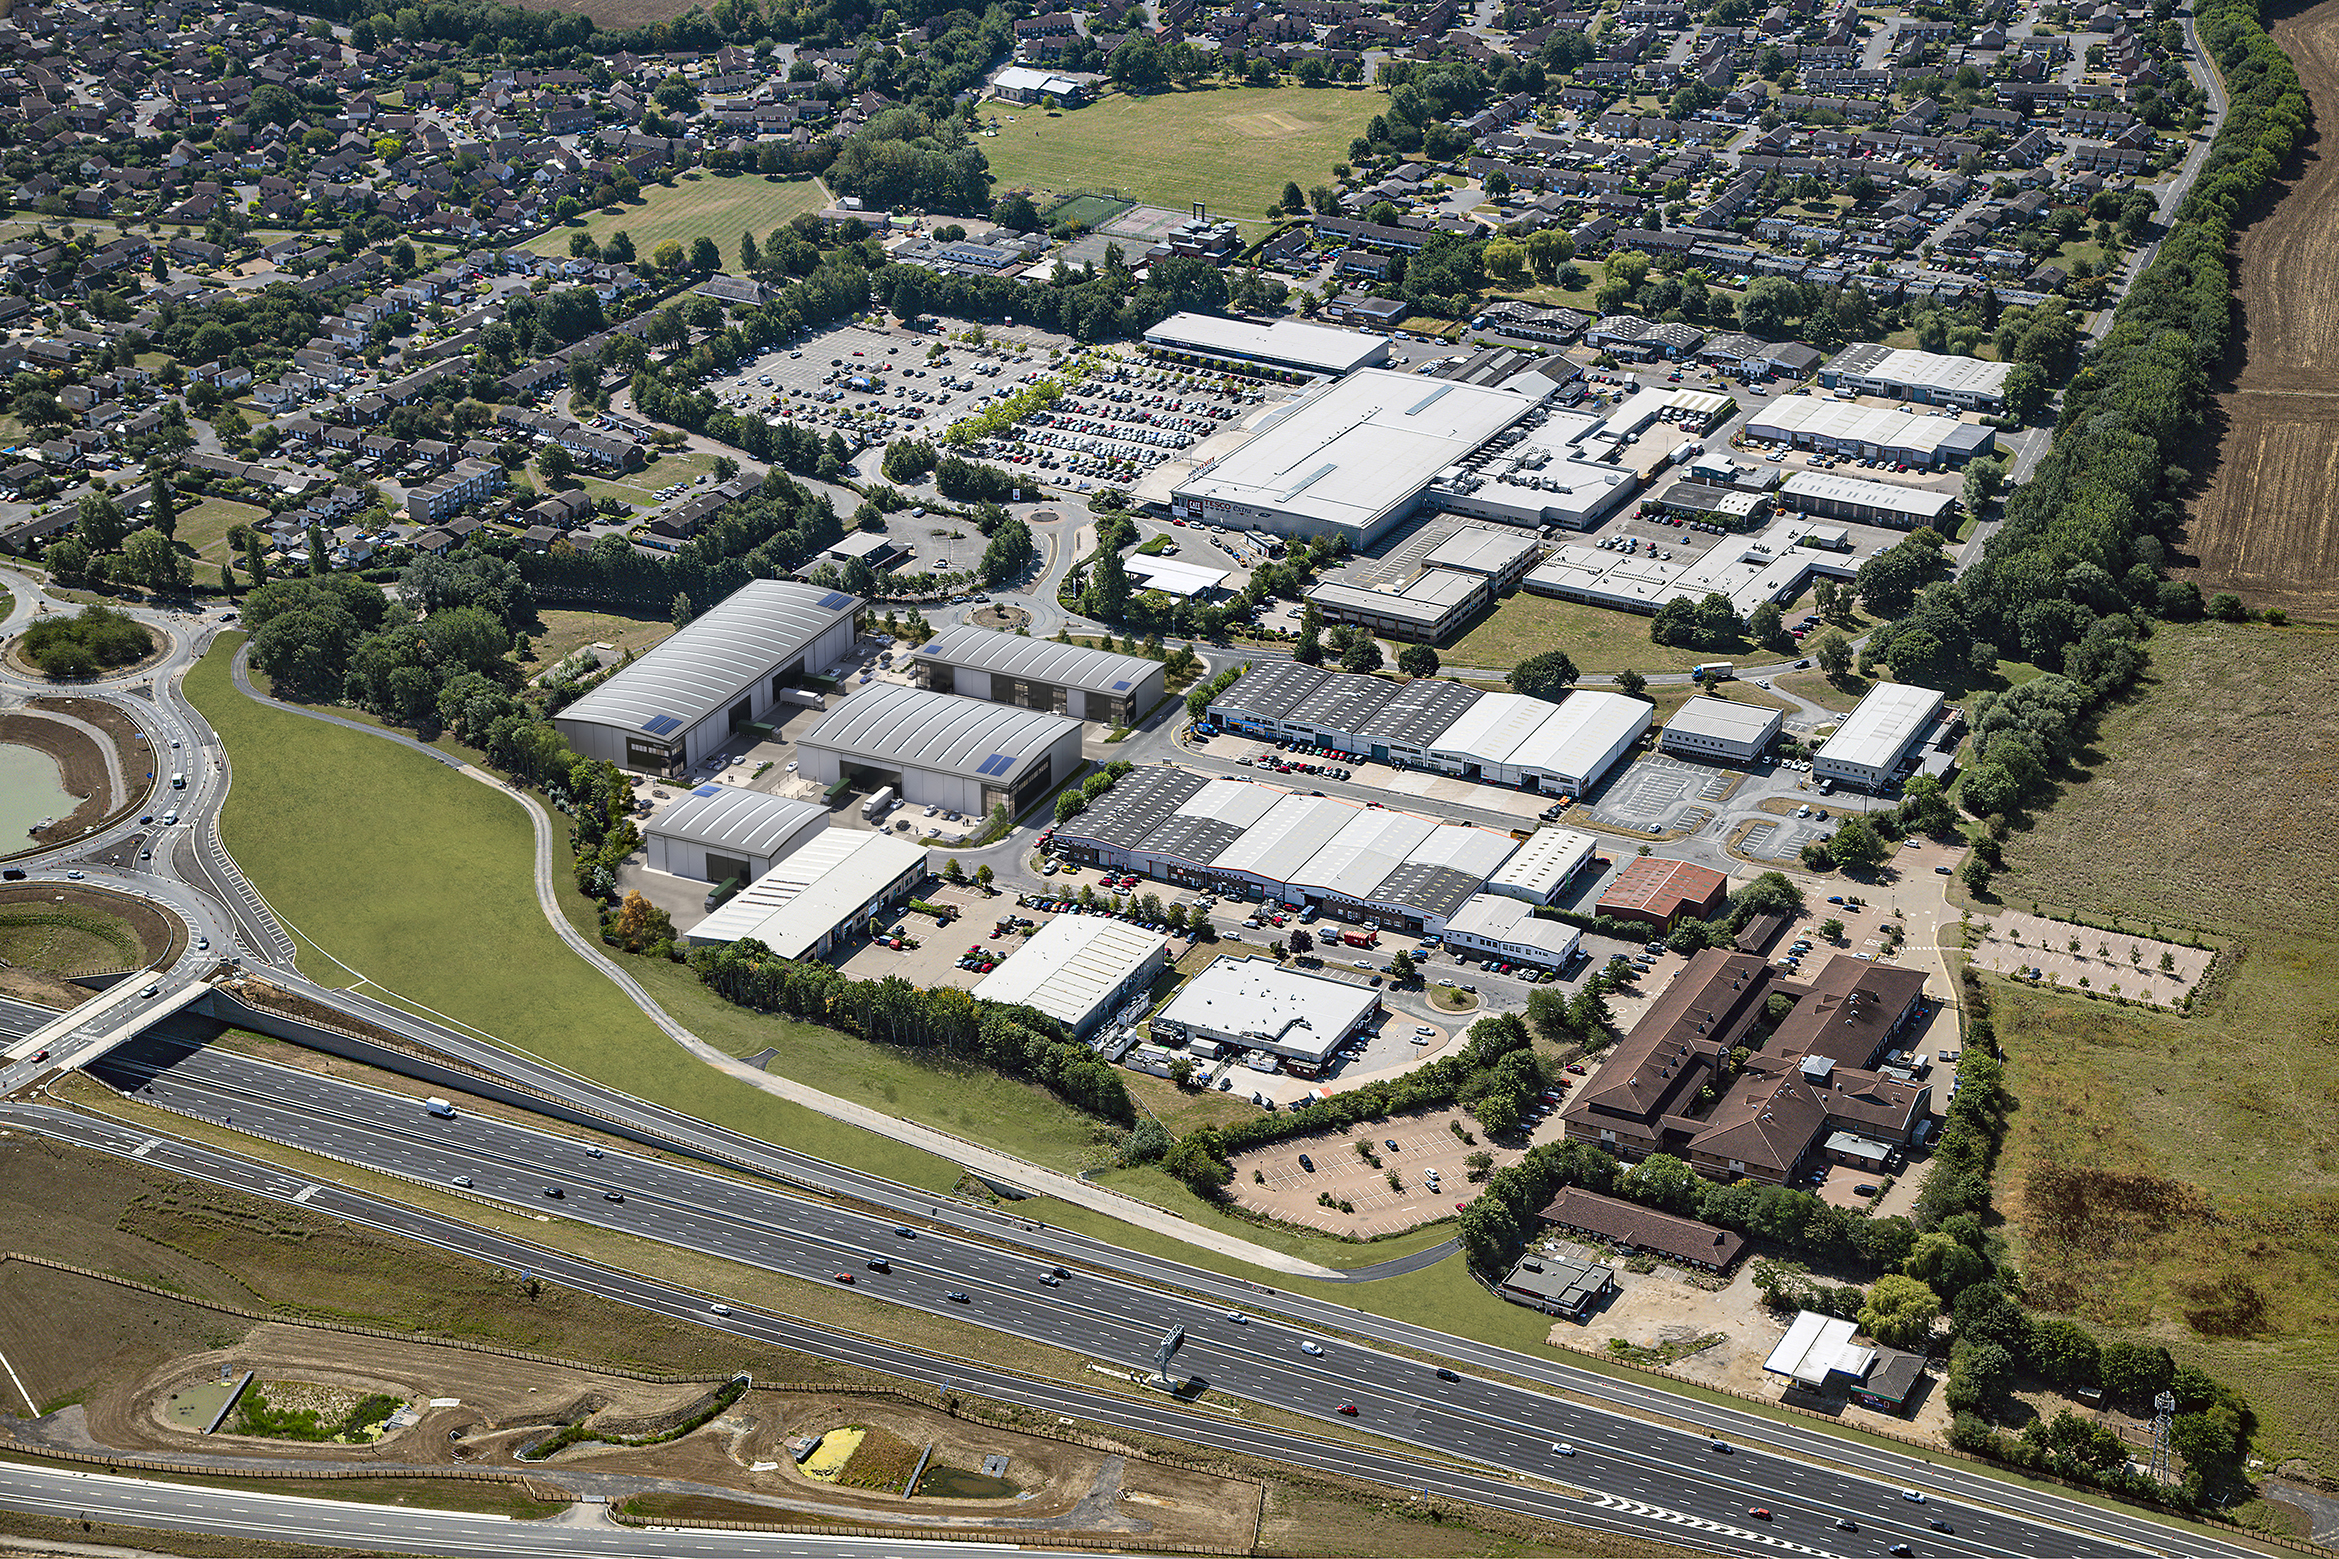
(708, 789)
(659, 725)
(997, 763)
(834, 599)
(1120, 687)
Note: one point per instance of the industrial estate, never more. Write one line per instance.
(1307, 779)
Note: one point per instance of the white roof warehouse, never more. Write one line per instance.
(820, 896)
(1078, 970)
(681, 701)
(718, 832)
(1257, 1004)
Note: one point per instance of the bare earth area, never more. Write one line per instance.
(2267, 524)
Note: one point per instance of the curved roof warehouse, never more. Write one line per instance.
(681, 701)
(943, 750)
(1063, 679)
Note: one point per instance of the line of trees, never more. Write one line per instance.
(944, 1021)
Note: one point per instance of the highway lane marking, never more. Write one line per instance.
(149, 1486)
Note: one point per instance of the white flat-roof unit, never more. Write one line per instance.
(1509, 929)
(1479, 745)
(1873, 369)
(823, 894)
(943, 750)
(1078, 970)
(1283, 344)
(1867, 503)
(1579, 742)
(1064, 679)
(1867, 749)
(718, 832)
(1500, 556)
(1555, 475)
(1542, 866)
(1817, 1346)
(1187, 581)
(685, 698)
(1774, 566)
(1822, 422)
(1257, 1004)
(1721, 728)
(1351, 458)
(1360, 857)
(872, 547)
(1624, 582)
(1274, 851)
(1429, 609)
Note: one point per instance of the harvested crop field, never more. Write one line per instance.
(2267, 524)
(2177, 1178)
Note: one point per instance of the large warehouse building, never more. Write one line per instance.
(676, 705)
(939, 749)
(1244, 840)
(1351, 458)
(821, 896)
(1544, 865)
(1431, 723)
(1928, 377)
(1862, 502)
(1509, 929)
(1721, 730)
(1776, 565)
(1314, 349)
(1257, 1004)
(1058, 679)
(1078, 970)
(719, 832)
(1870, 432)
(1867, 750)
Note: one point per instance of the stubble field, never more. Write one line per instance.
(2265, 526)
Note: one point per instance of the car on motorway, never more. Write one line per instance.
(879, 1264)
(1348, 1408)
(905, 1231)
(1759, 1512)
(1050, 1279)
(556, 1193)
(1562, 1448)
(1312, 1350)
(75, 875)
(720, 1308)
(1238, 1318)
(150, 992)
(613, 1196)
(959, 1296)
(1939, 1525)
(1718, 1444)
(843, 1277)
(1846, 1524)
(1913, 1496)
(1447, 1374)
(1901, 1550)
(461, 1180)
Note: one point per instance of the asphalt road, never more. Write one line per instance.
(1671, 1472)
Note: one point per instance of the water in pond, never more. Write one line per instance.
(957, 1483)
(31, 790)
(193, 1407)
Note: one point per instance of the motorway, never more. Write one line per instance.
(1667, 1474)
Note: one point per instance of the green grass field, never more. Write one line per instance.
(720, 206)
(203, 529)
(1597, 639)
(2205, 803)
(1232, 147)
(422, 880)
(640, 488)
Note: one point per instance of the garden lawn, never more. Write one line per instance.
(565, 631)
(422, 880)
(697, 204)
(640, 488)
(1232, 148)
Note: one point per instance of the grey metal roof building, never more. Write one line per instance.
(1064, 679)
(1721, 728)
(1340, 704)
(1423, 710)
(686, 697)
(1426, 611)
(718, 832)
(943, 750)
(1283, 344)
(1266, 692)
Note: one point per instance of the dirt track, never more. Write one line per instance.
(2267, 524)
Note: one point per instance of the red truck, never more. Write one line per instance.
(1361, 938)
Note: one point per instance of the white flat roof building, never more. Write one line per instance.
(1172, 577)
(1556, 475)
(718, 832)
(685, 698)
(823, 894)
(1063, 679)
(1283, 344)
(1542, 866)
(1750, 570)
(1866, 750)
(943, 750)
(1721, 728)
(1562, 748)
(1822, 422)
(1258, 1004)
(1078, 970)
(1817, 1346)
(1509, 929)
(1351, 458)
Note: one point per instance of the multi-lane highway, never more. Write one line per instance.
(1671, 1474)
